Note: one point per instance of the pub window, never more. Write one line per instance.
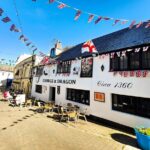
(146, 60)
(79, 96)
(64, 67)
(114, 63)
(124, 62)
(133, 105)
(134, 60)
(39, 71)
(87, 67)
(38, 89)
(99, 96)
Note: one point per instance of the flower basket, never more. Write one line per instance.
(143, 137)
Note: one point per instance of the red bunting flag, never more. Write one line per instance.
(51, 1)
(78, 13)
(99, 19)
(13, 28)
(6, 19)
(1, 11)
(89, 47)
(90, 18)
(116, 21)
(61, 6)
(139, 24)
(132, 24)
(148, 25)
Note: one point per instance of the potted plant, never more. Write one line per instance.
(143, 137)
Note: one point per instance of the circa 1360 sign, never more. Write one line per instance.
(125, 85)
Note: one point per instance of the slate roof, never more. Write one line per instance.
(119, 40)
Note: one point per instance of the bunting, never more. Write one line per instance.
(1, 11)
(90, 18)
(98, 18)
(60, 6)
(14, 28)
(77, 15)
(148, 25)
(132, 24)
(6, 19)
(139, 24)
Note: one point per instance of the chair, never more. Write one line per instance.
(67, 115)
(28, 103)
(39, 107)
(48, 107)
(82, 114)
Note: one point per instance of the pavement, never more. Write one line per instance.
(23, 129)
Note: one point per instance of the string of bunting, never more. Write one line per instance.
(99, 18)
(14, 28)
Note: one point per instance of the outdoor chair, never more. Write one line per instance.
(28, 103)
(48, 107)
(82, 114)
(67, 115)
(39, 107)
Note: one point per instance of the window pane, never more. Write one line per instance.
(146, 60)
(133, 105)
(80, 96)
(135, 61)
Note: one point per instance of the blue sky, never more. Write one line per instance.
(43, 23)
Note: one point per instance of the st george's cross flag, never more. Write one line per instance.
(89, 47)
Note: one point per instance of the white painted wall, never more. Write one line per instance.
(140, 87)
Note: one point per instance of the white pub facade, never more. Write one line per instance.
(113, 85)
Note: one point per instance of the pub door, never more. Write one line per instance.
(52, 94)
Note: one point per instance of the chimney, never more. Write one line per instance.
(58, 48)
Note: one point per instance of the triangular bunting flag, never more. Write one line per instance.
(132, 24)
(139, 24)
(99, 19)
(13, 28)
(1, 11)
(78, 13)
(61, 6)
(90, 18)
(6, 19)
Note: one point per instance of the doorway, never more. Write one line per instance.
(52, 91)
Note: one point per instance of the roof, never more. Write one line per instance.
(125, 38)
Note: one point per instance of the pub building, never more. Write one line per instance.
(113, 84)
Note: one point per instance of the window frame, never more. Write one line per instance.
(64, 67)
(131, 57)
(78, 96)
(132, 105)
(37, 90)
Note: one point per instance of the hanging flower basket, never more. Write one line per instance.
(143, 137)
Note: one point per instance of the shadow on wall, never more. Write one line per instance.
(125, 139)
